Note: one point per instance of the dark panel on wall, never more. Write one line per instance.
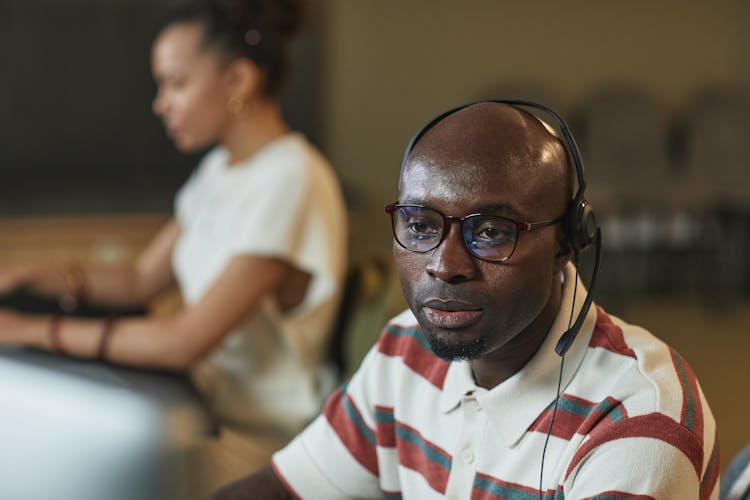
(77, 133)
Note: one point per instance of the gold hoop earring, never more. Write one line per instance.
(235, 105)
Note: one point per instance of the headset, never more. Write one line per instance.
(579, 222)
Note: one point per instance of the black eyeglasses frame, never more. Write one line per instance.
(521, 226)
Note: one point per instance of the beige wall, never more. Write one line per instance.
(392, 64)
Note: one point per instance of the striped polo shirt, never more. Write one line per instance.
(631, 422)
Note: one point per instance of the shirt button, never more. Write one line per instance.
(468, 456)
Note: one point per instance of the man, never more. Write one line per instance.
(457, 398)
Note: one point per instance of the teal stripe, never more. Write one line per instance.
(574, 407)
(392, 496)
(583, 410)
(355, 417)
(711, 464)
(690, 404)
(510, 493)
(429, 452)
(616, 414)
(609, 408)
(409, 332)
(384, 417)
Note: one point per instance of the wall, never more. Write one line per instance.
(392, 65)
(78, 134)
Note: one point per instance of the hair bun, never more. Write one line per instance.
(283, 18)
(290, 16)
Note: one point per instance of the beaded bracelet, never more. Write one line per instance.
(54, 333)
(107, 329)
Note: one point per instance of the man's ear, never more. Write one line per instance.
(244, 78)
(564, 252)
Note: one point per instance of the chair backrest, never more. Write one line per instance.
(372, 295)
(735, 483)
(625, 135)
(717, 141)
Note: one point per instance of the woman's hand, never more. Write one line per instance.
(13, 278)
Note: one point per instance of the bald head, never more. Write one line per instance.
(499, 141)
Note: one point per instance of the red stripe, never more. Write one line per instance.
(385, 432)
(710, 481)
(620, 494)
(349, 434)
(480, 494)
(609, 336)
(284, 482)
(412, 457)
(597, 417)
(697, 404)
(568, 424)
(653, 425)
(415, 356)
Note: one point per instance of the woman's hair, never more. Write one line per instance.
(259, 30)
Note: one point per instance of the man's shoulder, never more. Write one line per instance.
(638, 374)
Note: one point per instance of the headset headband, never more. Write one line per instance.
(571, 146)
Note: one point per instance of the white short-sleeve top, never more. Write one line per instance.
(284, 202)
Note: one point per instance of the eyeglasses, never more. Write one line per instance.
(486, 237)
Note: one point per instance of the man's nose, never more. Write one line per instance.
(451, 261)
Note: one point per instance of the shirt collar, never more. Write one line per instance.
(531, 390)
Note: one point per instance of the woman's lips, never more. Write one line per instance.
(173, 132)
(451, 317)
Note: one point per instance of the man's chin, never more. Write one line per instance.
(455, 349)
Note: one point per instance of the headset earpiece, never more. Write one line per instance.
(580, 225)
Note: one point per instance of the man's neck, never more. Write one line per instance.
(495, 367)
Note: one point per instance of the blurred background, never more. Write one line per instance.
(656, 94)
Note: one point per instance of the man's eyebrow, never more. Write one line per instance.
(482, 209)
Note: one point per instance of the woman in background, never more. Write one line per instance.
(257, 243)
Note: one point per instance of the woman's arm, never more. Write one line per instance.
(173, 342)
(118, 285)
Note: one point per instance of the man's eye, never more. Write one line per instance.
(493, 232)
(422, 229)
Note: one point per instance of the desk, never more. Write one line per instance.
(84, 430)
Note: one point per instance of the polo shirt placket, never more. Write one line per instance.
(468, 449)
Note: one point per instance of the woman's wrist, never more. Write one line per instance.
(34, 331)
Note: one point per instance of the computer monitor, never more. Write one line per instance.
(90, 436)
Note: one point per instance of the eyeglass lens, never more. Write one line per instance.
(486, 236)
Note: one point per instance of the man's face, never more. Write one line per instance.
(469, 308)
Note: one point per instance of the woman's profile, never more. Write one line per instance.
(257, 244)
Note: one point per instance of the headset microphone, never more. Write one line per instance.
(567, 338)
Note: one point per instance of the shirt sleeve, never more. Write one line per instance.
(271, 222)
(645, 457)
(335, 457)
